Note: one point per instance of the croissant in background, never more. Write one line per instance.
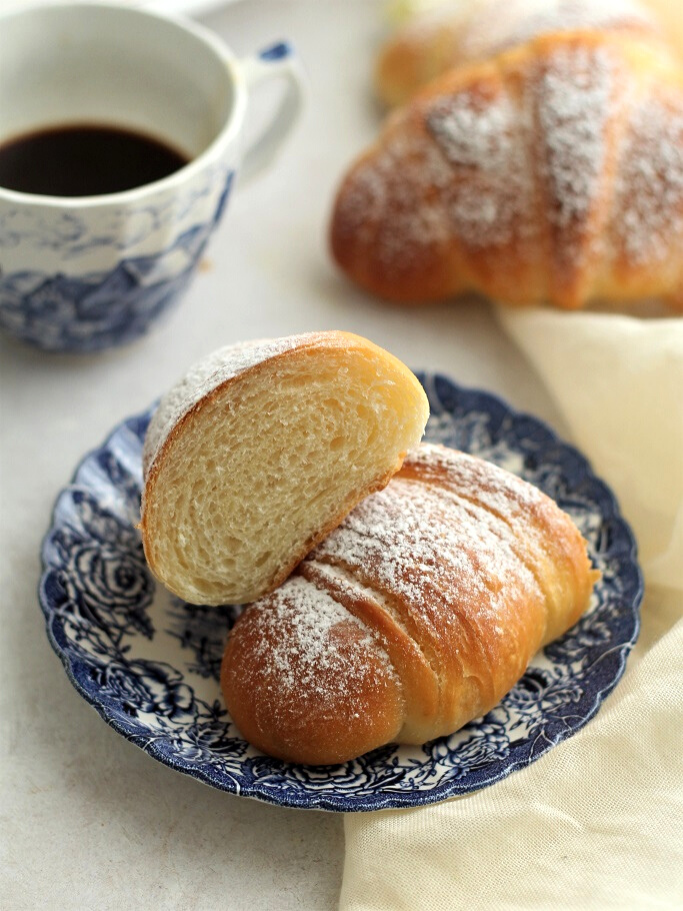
(550, 173)
(456, 32)
(416, 615)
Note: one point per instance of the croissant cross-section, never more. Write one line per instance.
(261, 450)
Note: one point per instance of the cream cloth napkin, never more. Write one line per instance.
(597, 822)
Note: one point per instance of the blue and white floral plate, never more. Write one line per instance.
(149, 663)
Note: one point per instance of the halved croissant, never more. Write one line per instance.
(552, 173)
(261, 450)
(456, 32)
(416, 615)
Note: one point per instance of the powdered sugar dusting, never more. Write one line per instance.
(211, 371)
(394, 199)
(574, 98)
(498, 490)
(501, 24)
(482, 132)
(304, 649)
(469, 130)
(649, 194)
(411, 539)
(345, 581)
(482, 164)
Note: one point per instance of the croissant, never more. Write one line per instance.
(458, 32)
(551, 173)
(263, 448)
(416, 615)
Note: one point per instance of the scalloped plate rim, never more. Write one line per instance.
(381, 799)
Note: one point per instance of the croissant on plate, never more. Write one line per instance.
(456, 32)
(550, 173)
(414, 616)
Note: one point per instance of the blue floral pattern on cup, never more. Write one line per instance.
(88, 312)
(150, 663)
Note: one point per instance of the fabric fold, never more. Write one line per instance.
(597, 822)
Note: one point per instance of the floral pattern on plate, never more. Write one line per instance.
(149, 663)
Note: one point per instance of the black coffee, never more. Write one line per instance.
(83, 160)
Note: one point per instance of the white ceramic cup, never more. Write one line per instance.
(86, 273)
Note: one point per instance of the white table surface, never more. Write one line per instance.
(88, 821)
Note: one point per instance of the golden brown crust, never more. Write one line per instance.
(460, 33)
(551, 173)
(420, 683)
(450, 578)
(350, 695)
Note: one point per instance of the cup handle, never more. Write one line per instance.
(278, 61)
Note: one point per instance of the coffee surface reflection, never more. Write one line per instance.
(85, 160)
